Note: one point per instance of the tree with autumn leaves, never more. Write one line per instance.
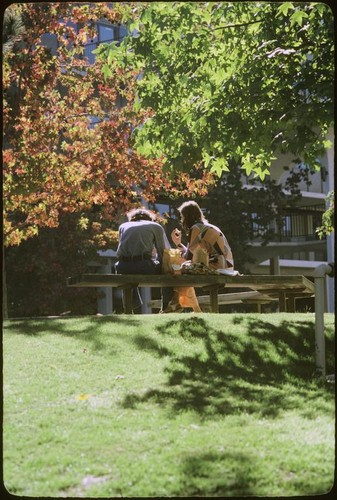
(68, 163)
(66, 141)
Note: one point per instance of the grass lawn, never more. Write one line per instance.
(213, 405)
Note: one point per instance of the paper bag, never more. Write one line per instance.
(172, 261)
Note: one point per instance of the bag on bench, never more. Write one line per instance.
(186, 296)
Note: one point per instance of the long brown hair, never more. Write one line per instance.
(190, 213)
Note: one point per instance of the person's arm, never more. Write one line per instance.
(120, 237)
(193, 239)
(160, 241)
(176, 238)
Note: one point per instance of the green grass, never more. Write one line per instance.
(167, 405)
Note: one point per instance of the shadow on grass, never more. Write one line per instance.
(58, 324)
(227, 474)
(263, 367)
(80, 327)
(200, 474)
(249, 365)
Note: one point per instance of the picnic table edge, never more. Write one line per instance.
(262, 283)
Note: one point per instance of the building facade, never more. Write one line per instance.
(299, 249)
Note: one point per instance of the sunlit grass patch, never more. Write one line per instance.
(176, 405)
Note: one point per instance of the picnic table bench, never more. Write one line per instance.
(246, 297)
(285, 289)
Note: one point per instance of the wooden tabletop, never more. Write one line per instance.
(264, 283)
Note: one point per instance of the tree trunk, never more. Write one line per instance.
(4, 287)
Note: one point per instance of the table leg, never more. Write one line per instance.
(213, 295)
(282, 302)
(291, 303)
(128, 300)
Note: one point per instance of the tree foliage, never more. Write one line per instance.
(38, 268)
(66, 142)
(243, 81)
(328, 219)
(248, 211)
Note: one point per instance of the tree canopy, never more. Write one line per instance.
(246, 81)
(66, 139)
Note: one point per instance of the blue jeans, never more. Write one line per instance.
(142, 267)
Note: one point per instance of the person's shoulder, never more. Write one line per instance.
(199, 225)
(157, 225)
(150, 223)
(216, 228)
(128, 225)
(204, 226)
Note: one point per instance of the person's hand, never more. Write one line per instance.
(176, 236)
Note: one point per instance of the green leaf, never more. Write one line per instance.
(297, 17)
(146, 16)
(327, 144)
(261, 173)
(283, 8)
(218, 87)
(145, 149)
(320, 8)
(219, 76)
(248, 166)
(137, 105)
(106, 71)
(206, 158)
(134, 26)
(112, 52)
(219, 165)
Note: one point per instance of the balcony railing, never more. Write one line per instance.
(300, 226)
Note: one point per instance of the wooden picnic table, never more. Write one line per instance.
(285, 288)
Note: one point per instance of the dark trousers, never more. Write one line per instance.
(142, 267)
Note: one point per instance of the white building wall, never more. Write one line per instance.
(329, 162)
(313, 194)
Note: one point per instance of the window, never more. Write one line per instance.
(287, 226)
(105, 33)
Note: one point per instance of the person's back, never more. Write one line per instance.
(140, 239)
(212, 239)
(141, 246)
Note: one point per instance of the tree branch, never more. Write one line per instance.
(234, 25)
(237, 25)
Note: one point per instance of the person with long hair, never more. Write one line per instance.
(202, 234)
